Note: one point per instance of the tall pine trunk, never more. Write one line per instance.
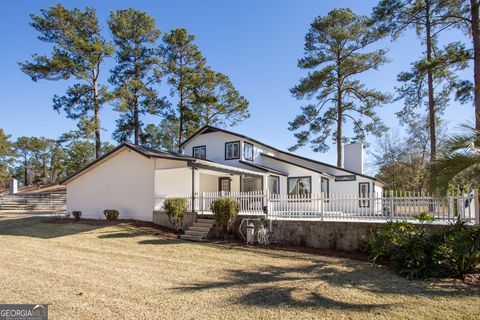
(474, 7)
(25, 172)
(135, 119)
(431, 101)
(96, 118)
(180, 124)
(339, 123)
(181, 111)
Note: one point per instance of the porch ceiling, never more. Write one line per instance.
(217, 167)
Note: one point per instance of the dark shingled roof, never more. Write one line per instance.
(155, 153)
(263, 168)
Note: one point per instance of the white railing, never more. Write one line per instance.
(250, 202)
(386, 206)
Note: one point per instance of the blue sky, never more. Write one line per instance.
(256, 43)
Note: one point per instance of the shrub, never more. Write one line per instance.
(76, 215)
(455, 251)
(111, 214)
(383, 242)
(225, 211)
(460, 248)
(176, 211)
(416, 256)
(425, 217)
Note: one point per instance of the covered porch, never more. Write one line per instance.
(201, 182)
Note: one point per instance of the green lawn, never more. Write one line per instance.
(110, 272)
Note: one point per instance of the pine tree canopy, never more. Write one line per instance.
(335, 53)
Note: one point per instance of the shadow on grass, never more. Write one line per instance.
(39, 227)
(275, 297)
(123, 234)
(274, 286)
(163, 241)
(134, 233)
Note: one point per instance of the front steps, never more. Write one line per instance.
(199, 230)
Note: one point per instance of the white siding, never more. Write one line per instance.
(123, 182)
(208, 183)
(215, 146)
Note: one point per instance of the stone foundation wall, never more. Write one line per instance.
(323, 234)
(161, 218)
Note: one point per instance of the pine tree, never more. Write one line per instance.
(79, 153)
(182, 61)
(7, 156)
(23, 148)
(216, 102)
(137, 71)
(78, 52)
(335, 51)
(203, 95)
(428, 18)
(465, 15)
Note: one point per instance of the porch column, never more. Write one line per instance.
(265, 182)
(193, 189)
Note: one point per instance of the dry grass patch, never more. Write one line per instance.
(87, 271)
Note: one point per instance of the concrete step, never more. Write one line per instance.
(195, 233)
(202, 225)
(203, 220)
(191, 238)
(196, 228)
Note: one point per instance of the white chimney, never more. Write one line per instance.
(13, 186)
(353, 157)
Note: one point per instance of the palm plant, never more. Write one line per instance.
(459, 160)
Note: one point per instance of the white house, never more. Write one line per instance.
(135, 179)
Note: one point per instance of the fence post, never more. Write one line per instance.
(267, 201)
(391, 205)
(476, 202)
(321, 204)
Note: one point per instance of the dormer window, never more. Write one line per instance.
(232, 150)
(199, 152)
(248, 151)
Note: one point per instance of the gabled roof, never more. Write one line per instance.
(296, 164)
(144, 151)
(155, 153)
(208, 129)
(263, 168)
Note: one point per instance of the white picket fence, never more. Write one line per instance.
(342, 207)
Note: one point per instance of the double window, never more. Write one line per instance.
(232, 150)
(300, 186)
(199, 152)
(248, 151)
